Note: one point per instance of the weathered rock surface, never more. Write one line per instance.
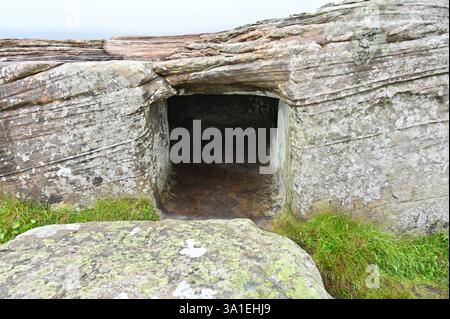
(366, 83)
(169, 259)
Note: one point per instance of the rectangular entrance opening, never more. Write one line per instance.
(231, 188)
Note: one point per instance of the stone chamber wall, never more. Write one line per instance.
(363, 90)
(224, 111)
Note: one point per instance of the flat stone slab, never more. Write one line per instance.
(166, 259)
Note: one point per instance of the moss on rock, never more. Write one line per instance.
(167, 259)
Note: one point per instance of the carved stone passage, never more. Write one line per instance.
(366, 84)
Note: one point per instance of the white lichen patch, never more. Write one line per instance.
(135, 231)
(184, 290)
(122, 295)
(192, 251)
(48, 231)
(64, 172)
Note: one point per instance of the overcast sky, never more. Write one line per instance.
(106, 18)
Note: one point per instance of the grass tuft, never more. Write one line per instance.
(17, 216)
(342, 248)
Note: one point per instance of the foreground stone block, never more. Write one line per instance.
(168, 259)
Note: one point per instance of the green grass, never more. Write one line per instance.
(342, 248)
(18, 216)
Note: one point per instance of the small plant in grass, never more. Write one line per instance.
(342, 248)
(17, 216)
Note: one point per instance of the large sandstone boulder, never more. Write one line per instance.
(363, 89)
(168, 259)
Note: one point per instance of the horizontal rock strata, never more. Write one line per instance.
(366, 82)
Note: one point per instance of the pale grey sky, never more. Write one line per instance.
(94, 19)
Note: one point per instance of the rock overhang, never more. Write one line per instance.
(366, 82)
